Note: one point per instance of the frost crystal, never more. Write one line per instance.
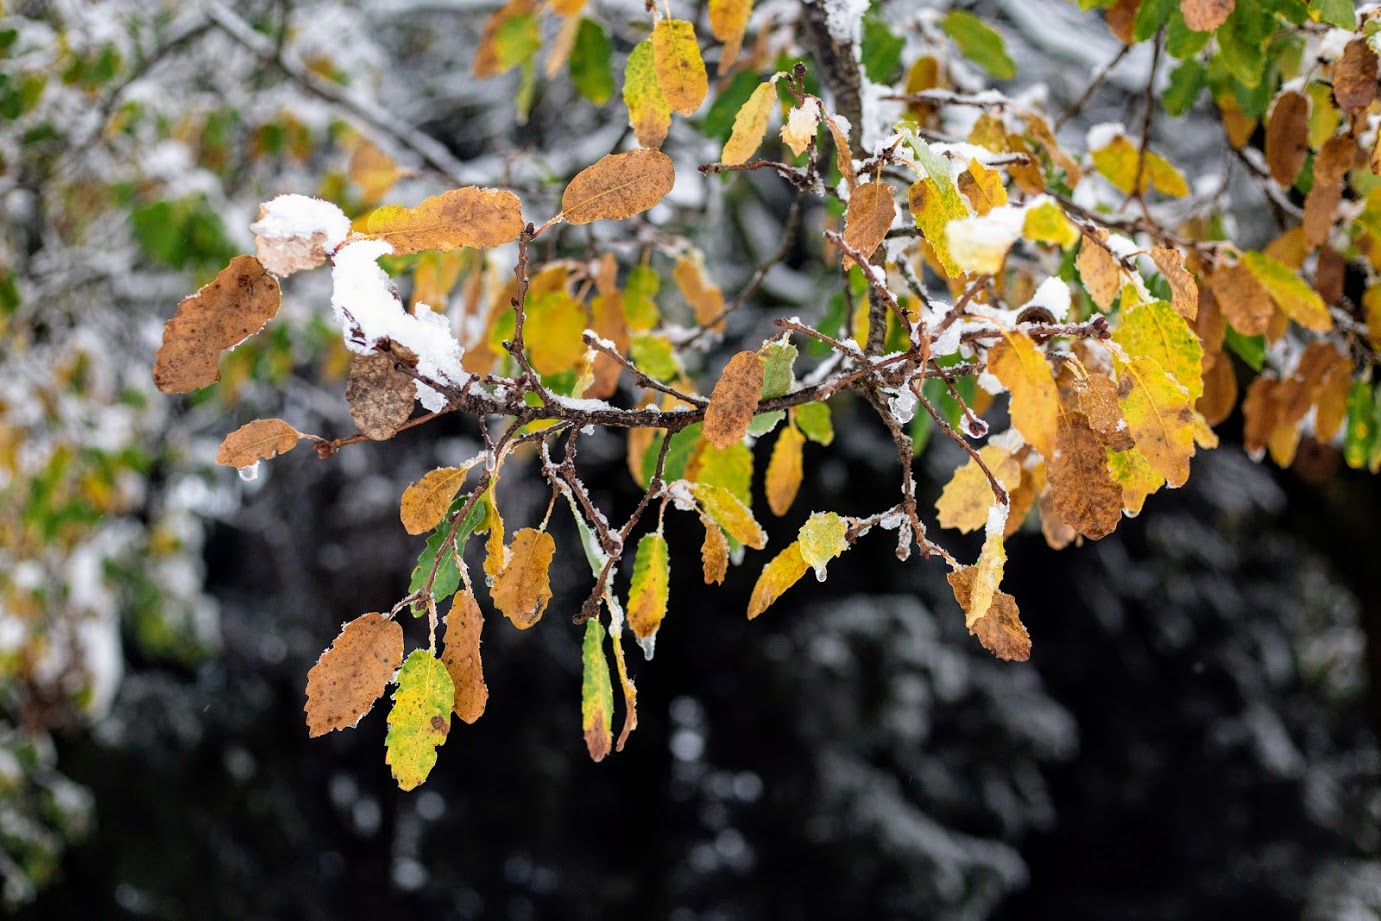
(902, 405)
(997, 520)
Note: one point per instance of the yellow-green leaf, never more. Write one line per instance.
(1291, 293)
(822, 538)
(680, 69)
(420, 718)
(1159, 416)
(725, 509)
(1153, 329)
(1047, 223)
(596, 693)
(1137, 478)
(552, 332)
(648, 112)
(784, 571)
(991, 560)
(728, 20)
(647, 597)
(750, 124)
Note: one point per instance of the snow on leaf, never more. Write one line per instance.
(648, 112)
(295, 232)
(734, 400)
(729, 513)
(987, 577)
(980, 244)
(647, 596)
(353, 673)
(233, 307)
(802, 122)
(470, 216)
(256, 440)
(420, 719)
(1000, 630)
(618, 186)
(784, 571)
(784, 471)
(461, 656)
(426, 501)
(750, 124)
(822, 538)
(522, 590)
(596, 693)
(1024, 370)
(680, 69)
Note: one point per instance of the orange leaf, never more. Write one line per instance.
(344, 683)
(734, 400)
(461, 656)
(522, 590)
(461, 217)
(618, 186)
(256, 440)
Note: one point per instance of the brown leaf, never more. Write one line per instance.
(344, 683)
(1082, 489)
(1057, 532)
(522, 590)
(461, 217)
(734, 400)
(255, 441)
(1245, 302)
(714, 553)
(1206, 15)
(1332, 399)
(1330, 166)
(868, 218)
(1000, 630)
(461, 656)
(243, 297)
(1355, 76)
(1287, 137)
(1097, 402)
(1121, 17)
(1185, 290)
(1220, 388)
(1100, 270)
(618, 186)
(1260, 413)
(380, 396)
(1330, 275)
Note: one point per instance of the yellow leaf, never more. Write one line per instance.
(784, 571)
(933, 208)
(784, 470)
(374, 171)
(648, 112)
(552, 332)
(750, 124)
(1154, 330)
(1291, 293)
(728, 20)
(987, 577)
(256, 440)
(647, 596)
(981, 244)
(1159, 416)
(344, 683)
(702, 294)
(496, 556)
(680, 69)
(1047, 223)
(461, 656)
(725, 509)
(1024, 370)
(822, 538)
(618, 186)
(420, 718)
(1117, 161)
(734, 400)
(1185, 289)
(233, 307)
(461, 217)
(1161, 173)
(425, 502)
(968, 496)
(522, 590)
(868, 218)
(982, 187)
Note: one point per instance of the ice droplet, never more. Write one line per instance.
(249, 473)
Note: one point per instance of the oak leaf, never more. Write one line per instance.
(734, 400)
(618, 186)
(353, 673)
(461, 656)
(254, 441)
(461, 217)
(420, 719)
(233, 307)
(523, 589)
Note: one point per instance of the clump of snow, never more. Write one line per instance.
(844, 20)
(1101, 135)
(980, 244)
(302, 216)
(902, 405)
(1053, 295)
(368, 310)
(879, 115)
(989, 382)
(997, 520)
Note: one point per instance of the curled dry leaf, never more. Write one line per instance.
(734, 400)
(1000, 630)
(233, 307)
(461, 656)
(1330, 166)
(296, 232)
(680, 69)
(522, 590)
(1287, 137)
(380, 396)
(1355, 76)
(1184, 290)
(618, 186)
(254, 441)
(868, 218)
(461, 217)
(1206, 15)
(353, 673)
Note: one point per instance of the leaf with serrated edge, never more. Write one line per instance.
(461, 656)
(353, 673)
(714, 553)
(734, 400)
(784, 571)
(618, 186)
(254, 441)
(730, 514)
(420, 719)
(233, 307)
(822, 538)
(596, 693)
(522, 590)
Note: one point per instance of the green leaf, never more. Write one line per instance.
(881, 50)
(1361, 429)
(1186, 83)
(639, 290)
(591, 70)
(655, 357)
(420, 718)
(1182, 42)
(813, 419)
(1242, 43)
(447, 580)
(596, 693)
(778, 361)
(979, 42)
(1150, 16)
(1251, 349)
(730, 467)
(765, 422)
(517, 40)
(1340, 13)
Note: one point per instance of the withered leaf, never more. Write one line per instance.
(1083, 491)
(1287, 137)
(233, 307)
(1244, 301)
(1330, 166)
(461, 217)
(1185, 291)
(1100, 270)
(714, 553)
(1097, 401)
(380, 396)
(254, 441)
(868, 218)
(426, 501)
(1206, 15)
(618, 186)
(734, 400)
(1121, 17)
(1000, 630)
(344, 683)
(461, 656)
(522, 590)
(1355, 76)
